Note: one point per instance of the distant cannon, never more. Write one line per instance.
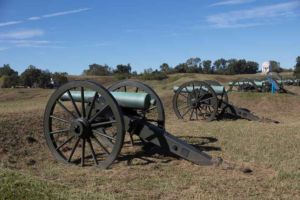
(273, 81)
(84, 113)
(206, 100)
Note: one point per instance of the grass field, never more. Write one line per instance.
(261, 160)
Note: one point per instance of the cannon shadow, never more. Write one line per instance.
(149, 153)
(202, 142)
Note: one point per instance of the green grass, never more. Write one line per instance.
(271, 151)
(15, 185)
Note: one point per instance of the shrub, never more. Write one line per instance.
(153, 76)
(9, 81)
(121, 76)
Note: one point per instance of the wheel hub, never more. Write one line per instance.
(80, 128)
(193, 100)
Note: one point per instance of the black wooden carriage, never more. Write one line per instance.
(85, 123)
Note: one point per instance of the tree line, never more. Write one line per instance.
(191, 65)
(31, 77)
(35, 77)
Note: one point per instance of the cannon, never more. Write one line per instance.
(85, 123)
(246, 85)
(207, 100)
(264, 85)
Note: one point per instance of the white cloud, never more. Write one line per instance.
(253, 17)
(231, 2)
(22, 34)
(23, 43)
(33, 18)
(9, 23)
(65, 12)
(68, 12)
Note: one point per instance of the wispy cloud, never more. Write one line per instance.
(65, 12)
(32, 43)
(56, 14)
(26, 38)
(9, 23)
(255, 16)
(34, 18)
(29, 43)
(3, 48)
(230, 2)
(22, 34)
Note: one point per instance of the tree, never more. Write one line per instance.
(9, 81)
(220, 66)
(9, 77)
(165, 68)
(207, 66)
(123, 69)
(297, 67)
(193, 65)
(252, 67)
(275, 66)
(97, 70)
(30, 77)
(181, 68)
(7, 70)
(59, 78)
(44, 79)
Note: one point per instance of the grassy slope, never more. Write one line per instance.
(27, 170)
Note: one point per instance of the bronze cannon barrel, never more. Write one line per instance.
(125, 99)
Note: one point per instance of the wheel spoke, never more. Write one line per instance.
(101, 145)
(73, 150)
(63, 144)
(152, 108)
(186, 112)
(206, 99)
(74, 104)
(82, 152)
(92, 105)
(102, 123)
(183, 95)
(196, 113)
(97, 114)
(184, 106)
(59, 119)
(82, 102)
(92, 150)
(104, 135)
(66, 109)
(59, 131)
(191, 114)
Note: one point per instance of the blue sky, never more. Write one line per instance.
(62, 35)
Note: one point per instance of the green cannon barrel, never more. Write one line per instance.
(216, 88)
(125, 99)
(257, 83)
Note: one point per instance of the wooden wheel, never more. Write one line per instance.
(81, 130)
(195, 100)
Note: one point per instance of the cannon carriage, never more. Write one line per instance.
(85, 123)
(207, 100)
